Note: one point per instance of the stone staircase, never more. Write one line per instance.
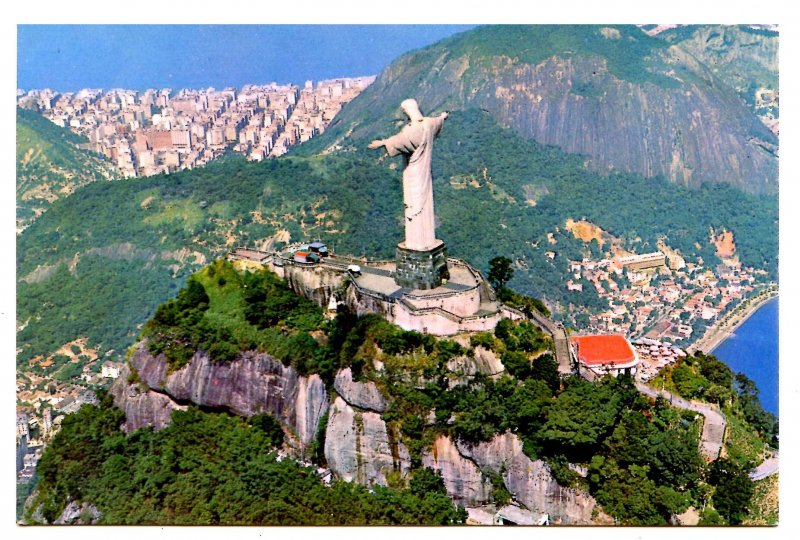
(713, 436)
(563, 352)
(560, 340)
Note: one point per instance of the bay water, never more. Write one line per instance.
(753, 350)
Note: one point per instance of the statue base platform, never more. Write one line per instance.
(421, 270)
(466, 303)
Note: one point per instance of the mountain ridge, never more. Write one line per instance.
(51, 165)
(702, 133)
(485, 439)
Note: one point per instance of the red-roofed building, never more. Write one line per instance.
(599, 355)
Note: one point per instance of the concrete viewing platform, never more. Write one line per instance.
(381, 280)
(463, 303)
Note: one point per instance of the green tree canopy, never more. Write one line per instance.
(500, 272)
(733, 491)
(215, 469)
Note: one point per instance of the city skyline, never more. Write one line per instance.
(157, 131)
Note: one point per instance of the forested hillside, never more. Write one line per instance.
(50, 165)
(116, 250)
(641, 457)
(213, 469)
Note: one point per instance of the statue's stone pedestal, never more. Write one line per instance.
(421, 270)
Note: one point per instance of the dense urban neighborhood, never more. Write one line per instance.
(154, 132)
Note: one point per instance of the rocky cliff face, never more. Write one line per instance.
(254, 383)
(463, 469)
(74, 514)
(671, 116)
(483, 361)
(363, 395)
(358, 445)
(360, 448)
(462, 477)
(316, 284)
(141, 407)
(530, 482)
(695, 133)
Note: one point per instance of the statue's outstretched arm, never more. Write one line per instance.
(438, 122)
(395, 145)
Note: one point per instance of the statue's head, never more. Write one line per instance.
(411, 109)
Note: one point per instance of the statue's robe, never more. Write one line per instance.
(415, 142)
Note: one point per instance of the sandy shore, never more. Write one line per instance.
(733, 320)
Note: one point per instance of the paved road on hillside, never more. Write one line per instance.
(713, 427)
(768, 468)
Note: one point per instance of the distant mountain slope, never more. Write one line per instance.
(50, 165)
(625, 100)
(743, 57)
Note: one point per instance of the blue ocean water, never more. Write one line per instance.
(753, 350)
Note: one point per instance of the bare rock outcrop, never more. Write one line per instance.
(75, 514)
(363, 395)
(530, 482)
(316, 284)
(141, 407)
(487, 361)
(358, 446)
(463, 479)
(674, 119)
(483, 361)
(253, 383)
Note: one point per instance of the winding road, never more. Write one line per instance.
(767, 468)
(713, 427)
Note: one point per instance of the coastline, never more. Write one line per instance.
(733, 320)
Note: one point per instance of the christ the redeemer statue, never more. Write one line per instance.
(415, 142)
(421, 258)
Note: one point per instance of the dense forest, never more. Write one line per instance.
(96, 307)
(642, 456)
(704, 377)
(535, 44)
(223, 312)
(486, 179)
(212, 469)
